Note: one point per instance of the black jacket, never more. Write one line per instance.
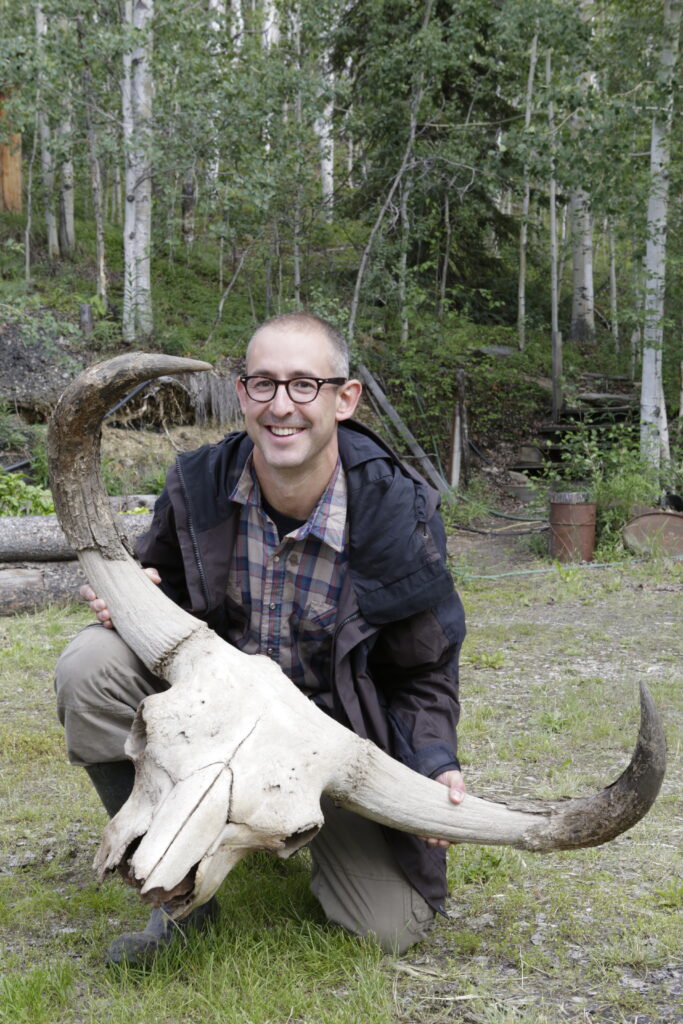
(400, 623)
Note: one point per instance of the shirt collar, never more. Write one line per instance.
(327, 521)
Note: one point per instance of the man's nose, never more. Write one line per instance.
(281, 403)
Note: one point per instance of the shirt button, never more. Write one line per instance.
(269, 650)
(276, 558)
(272, 606)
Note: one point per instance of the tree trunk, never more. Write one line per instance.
(323, 129)
(447, 252)
(523, 227)
(613, 308)
(298, 113)
(582, 327)
(67, 231)
(188, 205)
(40, 538)
(95, 173)
(46, 158)
(10, 171)
(34, 585)
(555, 336)
(653, 422)
(136, 93)
(403, 260)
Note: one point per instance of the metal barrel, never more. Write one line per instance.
(572, 526)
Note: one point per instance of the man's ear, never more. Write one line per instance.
(348, 398)
(241, 394)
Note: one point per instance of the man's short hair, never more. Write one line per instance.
(304, 321)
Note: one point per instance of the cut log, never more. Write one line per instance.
(40, 538)
(33, 585)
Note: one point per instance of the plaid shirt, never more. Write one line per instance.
(289, 589)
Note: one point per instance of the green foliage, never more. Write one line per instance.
(607, 463)
(19, 498)
(13, 434)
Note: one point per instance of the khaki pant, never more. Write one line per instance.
(99, 684)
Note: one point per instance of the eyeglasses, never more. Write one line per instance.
(299, 389)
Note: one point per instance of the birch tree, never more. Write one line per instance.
(653, 421)
(46, 158)
(582, 326)
(521, 285)
(136, 95)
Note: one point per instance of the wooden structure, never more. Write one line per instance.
(10, 171)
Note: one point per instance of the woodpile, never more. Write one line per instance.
(37, 565)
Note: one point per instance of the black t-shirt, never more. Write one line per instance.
(284, 524)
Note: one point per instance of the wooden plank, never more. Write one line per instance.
(426, 465)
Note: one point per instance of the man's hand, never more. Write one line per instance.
(456, 791)
(99, 606)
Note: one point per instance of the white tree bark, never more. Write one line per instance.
(67, 230)
(582, 326)
(555, 336)
(653, 423)
(323, 129)
(613, 295)
(523, 227)
(46, 158)
(271, 26)
(136, 95)
(95, 173)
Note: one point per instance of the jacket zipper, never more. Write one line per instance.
(193, 538)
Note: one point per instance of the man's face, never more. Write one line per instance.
(289, 435)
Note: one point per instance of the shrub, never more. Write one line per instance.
(19, 498)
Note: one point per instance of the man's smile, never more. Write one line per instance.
(283, 431)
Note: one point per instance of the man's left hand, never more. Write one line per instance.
(456, 791)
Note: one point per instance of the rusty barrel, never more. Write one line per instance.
(572, 526)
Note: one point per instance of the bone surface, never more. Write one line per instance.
(205, 795)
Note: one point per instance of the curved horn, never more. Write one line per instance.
(384, 790)
(84, 510)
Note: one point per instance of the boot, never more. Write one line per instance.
(113, 782)
(138, 948)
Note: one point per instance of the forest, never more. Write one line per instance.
(487, 187)
(485, 198)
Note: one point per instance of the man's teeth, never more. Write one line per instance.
(284, 431)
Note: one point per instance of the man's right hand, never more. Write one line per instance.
(100, 607)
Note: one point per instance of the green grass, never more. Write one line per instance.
(549, 709)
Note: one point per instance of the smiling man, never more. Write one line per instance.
(303, 538)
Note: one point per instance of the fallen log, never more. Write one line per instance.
(33, 585)
(40, 538)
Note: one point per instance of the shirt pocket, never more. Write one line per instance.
(312, 629)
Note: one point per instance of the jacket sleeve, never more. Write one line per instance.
(414, 662)
(159, 548)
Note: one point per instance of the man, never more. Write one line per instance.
(303, 538)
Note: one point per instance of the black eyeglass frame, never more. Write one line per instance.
(318, 381)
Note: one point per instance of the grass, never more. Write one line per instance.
(550, 709)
